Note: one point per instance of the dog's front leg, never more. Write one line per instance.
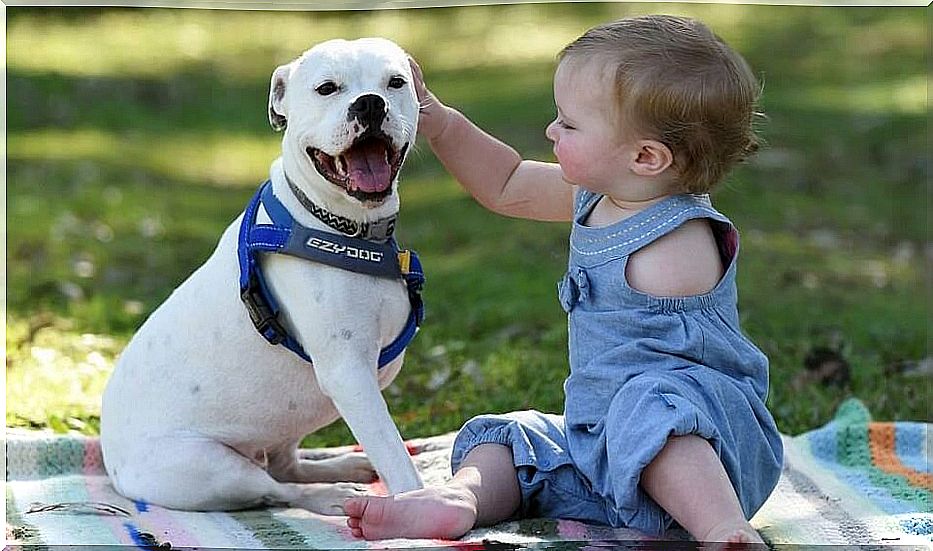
(351, 384)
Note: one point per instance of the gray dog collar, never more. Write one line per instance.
(379, 230)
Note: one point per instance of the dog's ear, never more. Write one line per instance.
(277, 116)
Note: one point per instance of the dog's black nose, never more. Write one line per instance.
(369, 110)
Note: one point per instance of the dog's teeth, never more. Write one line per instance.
(341, 166)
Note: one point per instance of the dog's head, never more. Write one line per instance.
(349, 111)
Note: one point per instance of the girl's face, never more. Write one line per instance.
(587, 143)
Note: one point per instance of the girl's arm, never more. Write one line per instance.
(492, 171)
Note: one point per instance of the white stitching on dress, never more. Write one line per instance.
(644, 235)
(631, 228)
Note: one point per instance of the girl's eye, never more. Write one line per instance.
(396, 82)
(327, 88)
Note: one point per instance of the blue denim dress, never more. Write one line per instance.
(642, 369)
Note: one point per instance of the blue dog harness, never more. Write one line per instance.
(286, 236)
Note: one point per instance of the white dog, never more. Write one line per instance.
(202, 411)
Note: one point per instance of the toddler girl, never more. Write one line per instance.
(664, 418)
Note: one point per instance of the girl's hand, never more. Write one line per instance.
(434, 115)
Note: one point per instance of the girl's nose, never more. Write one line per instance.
(551, 131)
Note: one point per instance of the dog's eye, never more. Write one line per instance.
(396, 82)
(327, 88)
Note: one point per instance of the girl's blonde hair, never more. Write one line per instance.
(676, 82)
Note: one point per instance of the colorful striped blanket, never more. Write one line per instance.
(850, 482)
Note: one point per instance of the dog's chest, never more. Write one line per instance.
(334, 310)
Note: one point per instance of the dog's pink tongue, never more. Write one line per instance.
(368, 168)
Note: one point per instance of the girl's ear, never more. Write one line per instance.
(651, 158)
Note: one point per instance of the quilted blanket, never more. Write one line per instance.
(851, 482)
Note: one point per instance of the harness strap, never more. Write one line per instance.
(284, 235)
(350, 253)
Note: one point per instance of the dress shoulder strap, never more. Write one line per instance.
(584, 201)
(593, 245)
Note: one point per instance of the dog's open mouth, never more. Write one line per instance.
(365, 170)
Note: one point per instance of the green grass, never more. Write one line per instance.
(136, 135)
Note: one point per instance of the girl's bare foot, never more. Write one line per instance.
(739, 533)
(437, 512)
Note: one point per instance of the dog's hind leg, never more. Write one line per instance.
(199, 474)
(290, 465)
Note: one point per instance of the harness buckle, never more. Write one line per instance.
(404, 262)
(262, 316)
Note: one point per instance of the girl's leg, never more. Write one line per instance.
(688, 481)
(484, 491)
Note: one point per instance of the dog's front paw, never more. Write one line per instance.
(327, 499)
(355, 467)
(349, 467)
